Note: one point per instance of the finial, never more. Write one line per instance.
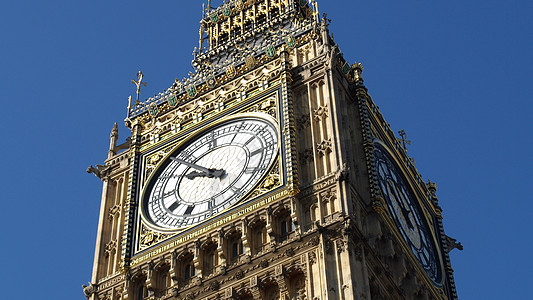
(405, 142)
(432, 187)
(357, 71)
(115, 129)
(138, 83)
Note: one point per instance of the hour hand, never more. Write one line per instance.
(209, 174)
(195, 174)
(203, 170)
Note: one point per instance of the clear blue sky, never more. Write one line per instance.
(455, 75)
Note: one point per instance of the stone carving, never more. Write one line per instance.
(119, 291)
(312, 257)
(324, 147)
(314, 241)
(263, 263)
(268, 106)
(214, 285)
(111, 247)
(329, 195)
(321, 113)
(100, 171)
(239, 274)
(88, 290)
(341, 246)
(254, 281)
(289, 252)
(453, 244)
(432, 188)
(149, 237)
(343, 172)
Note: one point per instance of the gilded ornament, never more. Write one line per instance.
(230, 71)
(250, 61)
(153, 109)
(270, 51)
(214, 17)
(227, 11)
(191, 90)
(211, 81)
(172, 100)
(291, 41)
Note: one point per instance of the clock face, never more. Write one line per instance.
(406, 213)
(211, 172)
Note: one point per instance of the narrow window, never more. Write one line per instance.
(140, 294)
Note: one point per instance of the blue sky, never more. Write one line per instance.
(455, 75)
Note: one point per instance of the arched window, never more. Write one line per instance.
(139, 289)
(259, 238)
(163, 278)
(209, 259)
(234, 248)
(297, 285)
(271, 292)
(189, 271)
(285, 226)
(186, 269)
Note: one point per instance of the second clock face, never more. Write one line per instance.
(211, 172)
(406, 213)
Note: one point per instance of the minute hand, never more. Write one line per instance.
(208, 172)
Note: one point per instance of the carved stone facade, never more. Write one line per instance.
(316, 226)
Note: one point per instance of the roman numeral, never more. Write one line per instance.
(213, 141)
(189, 210)
(251, 170)
(256, 152)
(249, 141)
(173, 206)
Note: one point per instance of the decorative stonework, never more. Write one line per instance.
(111, 247)
(100, 171)
(149, 237)
(312, 258)
(329, 195)
(321, 113)
(341, 246)
(267, 106)
(270, 182)
(324, 147)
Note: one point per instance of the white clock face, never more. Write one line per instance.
(406, 213)
(211, 172)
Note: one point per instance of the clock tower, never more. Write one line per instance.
(268, 173)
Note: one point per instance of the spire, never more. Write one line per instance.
(113, 141)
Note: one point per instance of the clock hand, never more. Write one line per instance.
(406, 213)
(195, 174)
(205, 171)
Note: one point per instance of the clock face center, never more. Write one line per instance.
(232, 159)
